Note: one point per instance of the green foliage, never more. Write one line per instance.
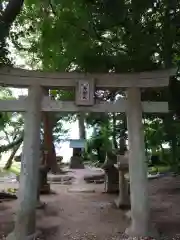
(106, 36)
(99, 143)
(5, 117)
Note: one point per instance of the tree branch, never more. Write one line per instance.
(11, 12)
(96, 34)
(6, 135)
(10, 160)
(1, 8)
(5, 148)
(52, 8)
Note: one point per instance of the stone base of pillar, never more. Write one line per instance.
(110, 188)
(44, 186)
(12, 236)
(122, 203)
(40, 205)
(128, 214)
(142, 230)
(111, 183)
(76, 162)
(45, 189)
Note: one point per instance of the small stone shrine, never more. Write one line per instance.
(76, 159)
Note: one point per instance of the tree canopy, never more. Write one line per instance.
(102, 36)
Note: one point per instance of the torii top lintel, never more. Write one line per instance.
(23, 78)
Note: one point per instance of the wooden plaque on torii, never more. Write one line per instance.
(85, 92)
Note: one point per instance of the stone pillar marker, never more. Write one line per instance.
(111, 174)
(123, 200)
(27, 196)
(140, 225)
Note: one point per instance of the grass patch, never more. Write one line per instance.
(160, 169)
(15, 168)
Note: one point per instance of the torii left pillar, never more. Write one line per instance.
(25, 222)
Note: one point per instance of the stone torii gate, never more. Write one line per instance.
(85, 85)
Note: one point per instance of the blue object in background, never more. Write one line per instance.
(77, 143)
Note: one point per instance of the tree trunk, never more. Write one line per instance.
(8, 16)
(173, 146)
(112, 99)
(10, 160)
(114, 131)
(162, 152)
(49, 142)
(82, 130)
(48, 139)
(5, 148)
(11, 11)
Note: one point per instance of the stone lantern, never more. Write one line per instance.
(44, 186)
(123, 199)
(111, 174)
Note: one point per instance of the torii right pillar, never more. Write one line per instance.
(140, 209)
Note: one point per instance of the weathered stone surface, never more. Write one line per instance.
(148, 232)
(94, 177)
(25, 222)
(81, 190)
(59, 178)
(76, 162)
(44, 186)
(76, 159)
(12, 236)
(40, 205)
(111, 174)
(122, 202)
(140, 207)
(128, 214)
(123, 199)
(58, 158)
(122, 145)
(112, 180)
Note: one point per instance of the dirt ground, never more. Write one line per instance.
(91, 215)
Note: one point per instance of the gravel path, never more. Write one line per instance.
(91, 216)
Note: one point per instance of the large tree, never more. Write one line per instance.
(9, 10)
(118, 36)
